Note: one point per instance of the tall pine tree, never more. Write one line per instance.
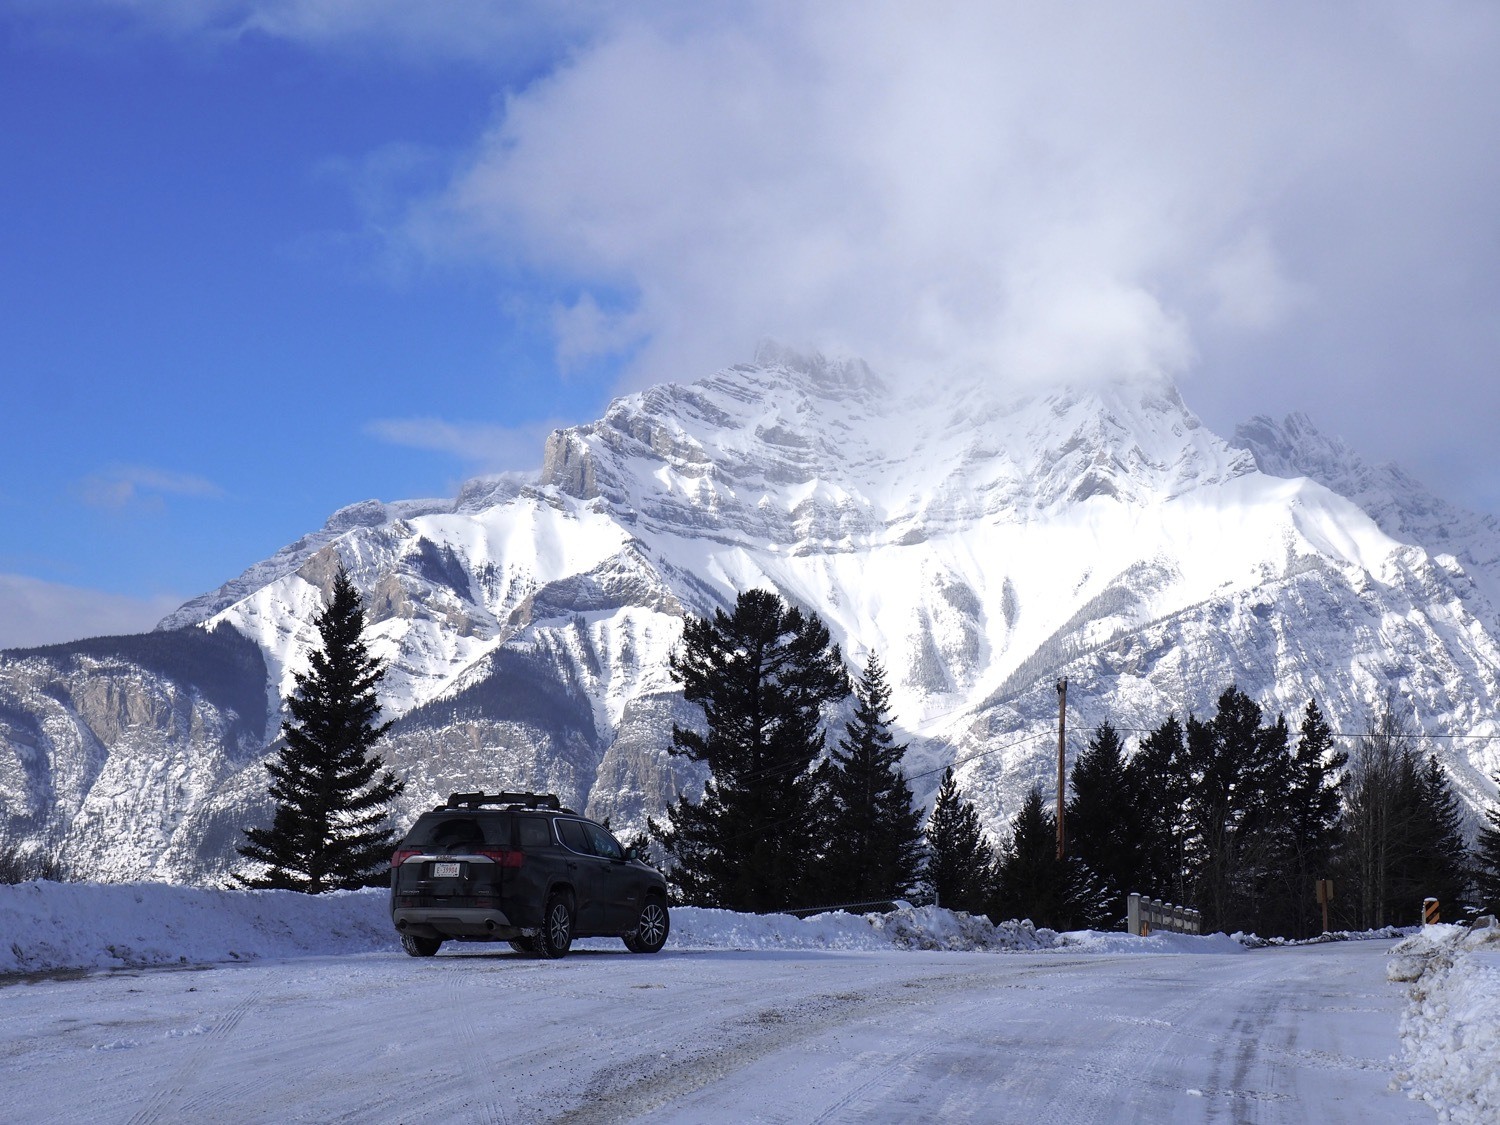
(1158, 781)
(762, 676)
(960, 862)
(874, 832)
(1487, 860)
(1240, 774)
(331, 794)
(1102, 821)
(1314, 826)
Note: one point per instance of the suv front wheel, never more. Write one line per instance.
(557, 927)
(650, 929)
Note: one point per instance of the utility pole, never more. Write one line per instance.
(1062, 774)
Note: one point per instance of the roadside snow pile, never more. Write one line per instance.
(45, 926)
(1385, 933)
(52, 926)
(1451, 1028)
(1163, 941)
(908, 927)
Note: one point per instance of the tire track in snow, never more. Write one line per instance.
(752, 1036)
(170, 1093)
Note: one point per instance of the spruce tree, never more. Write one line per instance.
(960, 869)
(1102, 821)
(874, 833)
(762, 676)
(1158, 781)
(1437, 864)
(1240, 774)
(1487, 860)
(1314, 826)
(331, 795)
(1031, 882)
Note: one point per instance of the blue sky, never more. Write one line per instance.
(200, 325)
(260, 259)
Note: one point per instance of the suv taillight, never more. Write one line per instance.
(401, 855)
(503, 857)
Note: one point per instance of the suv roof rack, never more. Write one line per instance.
(529, 800)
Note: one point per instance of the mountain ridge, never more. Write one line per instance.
(983, 541)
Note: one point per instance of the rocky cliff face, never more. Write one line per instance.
(984, 543)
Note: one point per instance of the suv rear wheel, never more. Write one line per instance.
(650, 928)
(557, 927)
(420, 946)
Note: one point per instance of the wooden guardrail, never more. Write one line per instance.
(1149, 915)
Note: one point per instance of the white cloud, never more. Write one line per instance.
(982, 185)
(34, 612)
(484, 448)
(1274, 199)
(121, 486)
(1291, 204)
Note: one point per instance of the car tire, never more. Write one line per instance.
(556, 934)
(651, 928)
(420, 946)
(526, 946)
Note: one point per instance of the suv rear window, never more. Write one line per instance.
(459, 829)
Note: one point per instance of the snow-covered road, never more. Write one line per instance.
(1274, 1035)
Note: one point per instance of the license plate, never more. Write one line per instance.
(445, 870)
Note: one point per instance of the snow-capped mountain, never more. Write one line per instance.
(984, 542)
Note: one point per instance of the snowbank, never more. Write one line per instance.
(57, 926)
(47, 926)
(1451, 1028)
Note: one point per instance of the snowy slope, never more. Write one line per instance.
(983, 542)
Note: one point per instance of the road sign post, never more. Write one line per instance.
(1325, 896)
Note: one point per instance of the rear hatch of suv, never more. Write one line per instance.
(455, 858)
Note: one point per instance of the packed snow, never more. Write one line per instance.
(1451, 1029)
(47, 927)
(113, 1010)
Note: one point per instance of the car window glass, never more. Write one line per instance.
(446, 832)
(573, 836)
(603, 843)
(534, 832)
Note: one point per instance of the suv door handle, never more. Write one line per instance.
(572, 866)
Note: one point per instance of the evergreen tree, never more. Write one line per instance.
(960, 862)
(1033, 883)
(1102, 821)
(1157, 781)
(1314, 826)
(1240, 773)
(1437, 862)
(330, 792)
(1487, 860)
(874, 833)
(762, 676)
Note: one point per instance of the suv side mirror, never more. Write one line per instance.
(631, 854)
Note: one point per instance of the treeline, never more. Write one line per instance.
(1238, 816)
(1235, 814)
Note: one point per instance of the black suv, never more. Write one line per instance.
(526, 871)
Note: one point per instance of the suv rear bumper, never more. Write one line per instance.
(454, 922)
